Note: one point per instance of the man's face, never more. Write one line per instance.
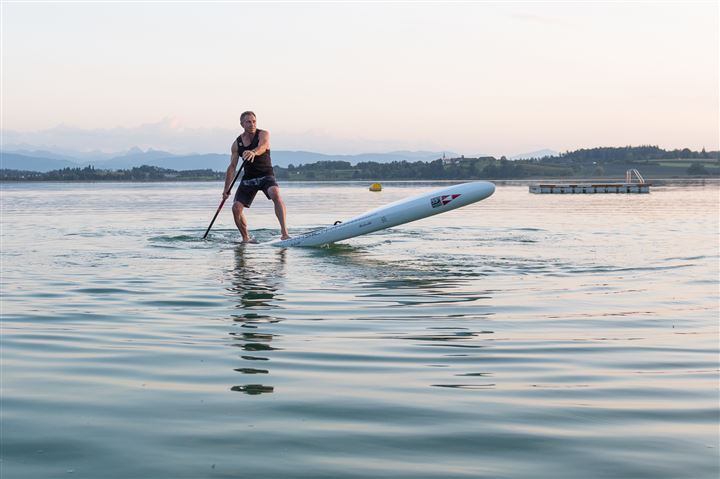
(249, 123)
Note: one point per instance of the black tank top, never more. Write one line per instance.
(262, 166)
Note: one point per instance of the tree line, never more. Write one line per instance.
(465, 168)
(588, 163)
(90, 173)
(630, 154)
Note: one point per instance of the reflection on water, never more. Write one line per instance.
(255, 283)
(253, 389)
(256, 280)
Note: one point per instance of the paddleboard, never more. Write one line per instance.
(394, 214)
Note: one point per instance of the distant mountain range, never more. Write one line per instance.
(13, 161)
(535, 154)
(43, 161)
(35, 160)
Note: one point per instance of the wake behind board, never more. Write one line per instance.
(397, 213)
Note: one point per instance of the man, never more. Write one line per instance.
(253, 145)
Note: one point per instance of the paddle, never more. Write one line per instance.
(223, 201)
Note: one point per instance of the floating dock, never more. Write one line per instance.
(630, 186)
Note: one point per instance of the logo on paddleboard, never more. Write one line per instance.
(442, 200)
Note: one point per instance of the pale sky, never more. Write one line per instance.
(469, 77)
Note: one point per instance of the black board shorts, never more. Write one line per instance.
(247, 190)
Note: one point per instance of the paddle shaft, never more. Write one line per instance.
(223, 201)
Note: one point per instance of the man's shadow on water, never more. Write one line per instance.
(257, 277)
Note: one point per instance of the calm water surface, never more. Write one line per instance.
(524, 336)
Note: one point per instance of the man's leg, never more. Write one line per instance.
(274, 194)
(240, 222)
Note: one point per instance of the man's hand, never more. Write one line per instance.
(225, 195)
(249, 155)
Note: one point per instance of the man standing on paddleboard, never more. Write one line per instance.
(253, 145)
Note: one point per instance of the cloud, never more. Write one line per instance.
(169, 134)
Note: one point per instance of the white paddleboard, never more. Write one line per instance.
(397, 213)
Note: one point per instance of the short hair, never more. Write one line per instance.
(246, 113)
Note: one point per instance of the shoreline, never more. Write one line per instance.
(521, 181)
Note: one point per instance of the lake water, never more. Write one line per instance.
(525, 336)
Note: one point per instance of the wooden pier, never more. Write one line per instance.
(629, 186)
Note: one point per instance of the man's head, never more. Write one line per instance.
(245, 114)
(248, 121)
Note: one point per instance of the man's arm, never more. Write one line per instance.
(263, 146)
(230, 174)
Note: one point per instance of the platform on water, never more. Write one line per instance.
(634, 183)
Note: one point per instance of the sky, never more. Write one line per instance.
(498, 78)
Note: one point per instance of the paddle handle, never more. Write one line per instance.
(223, 201)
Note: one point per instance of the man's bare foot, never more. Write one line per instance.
(285, 236)
(250, 240)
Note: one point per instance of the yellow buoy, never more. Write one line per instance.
(376, 187)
